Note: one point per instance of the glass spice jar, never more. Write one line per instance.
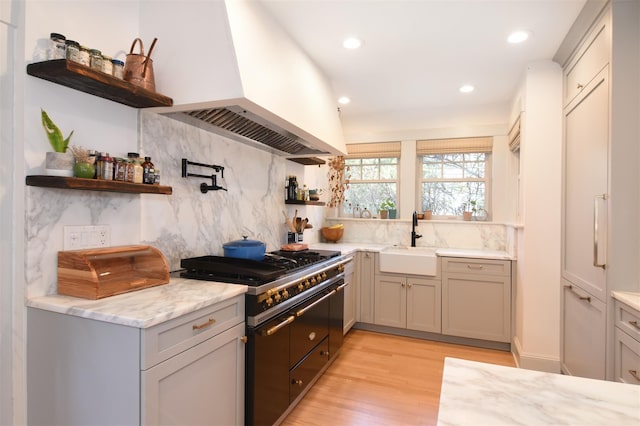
(73, 50)
(107, 65)
(57, 46)
(118, 68)
(95, 59)
(84, 57)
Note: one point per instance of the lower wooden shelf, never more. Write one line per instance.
(96, 185)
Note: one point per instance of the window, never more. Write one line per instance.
(373, 170)
(454, 176)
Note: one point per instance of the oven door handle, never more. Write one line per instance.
(274, 329)
(302, 311)
(341, 287)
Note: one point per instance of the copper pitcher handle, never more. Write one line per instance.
(134, 44)
(153, 44)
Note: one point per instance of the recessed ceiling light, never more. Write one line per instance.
(351, 43)
(343, 100)
(518, 36)
(467, 88)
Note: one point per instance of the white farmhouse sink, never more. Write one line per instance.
(409, 260)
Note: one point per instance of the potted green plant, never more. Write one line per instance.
(469, 209)
(58, 162)
(387, 209)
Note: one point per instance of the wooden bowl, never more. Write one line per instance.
(332, 235)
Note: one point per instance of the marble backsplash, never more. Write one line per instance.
(189, 223)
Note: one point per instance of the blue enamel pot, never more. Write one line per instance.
(245, 249)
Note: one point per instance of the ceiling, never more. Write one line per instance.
(417, 53)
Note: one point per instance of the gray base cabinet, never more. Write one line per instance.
(350, 295)
(366, 265)
(188, 370)
(627, 344)
(476, 298)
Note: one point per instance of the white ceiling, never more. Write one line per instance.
(417, 53)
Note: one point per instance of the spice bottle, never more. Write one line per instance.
(57, 46)
(107, 65)
(118, 68)
(83, 57)
(107, 167)
(95, 59)
(147, 171)
(73, 50)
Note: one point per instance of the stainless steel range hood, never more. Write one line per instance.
(233, 71)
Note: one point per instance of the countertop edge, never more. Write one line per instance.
(629, 298)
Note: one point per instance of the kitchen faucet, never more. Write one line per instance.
(414, 236)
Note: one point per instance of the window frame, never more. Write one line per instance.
(487, 182)
(395, 181)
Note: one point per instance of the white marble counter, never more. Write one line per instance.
(475, 393)
(630, 298)
(348, 248)
(143, 308)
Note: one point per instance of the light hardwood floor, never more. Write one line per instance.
(380, 379)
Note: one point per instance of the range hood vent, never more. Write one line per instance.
(237, 123)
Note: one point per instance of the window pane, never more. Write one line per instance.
(449, 198)
(370, 195)
(370, 172)
(474, 170)
(352, 161)
(452, 170)
(432, 170)
(390, 160)
(389, 172)
(369, 161)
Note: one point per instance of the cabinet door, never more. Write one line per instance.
(476, 306)
(423, 305)
(390, 301)
(583, 334)
(627, 358)
(350, 300)
(585, 187)
(366, 270)
(202, 385)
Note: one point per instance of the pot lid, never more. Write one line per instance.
(244, 242)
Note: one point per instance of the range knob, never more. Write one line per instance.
(319, 278)
(300, 286)
(268, 301)
(285, 294)
(277, 297)
(307, 284)
(324, 275)
(313, 281)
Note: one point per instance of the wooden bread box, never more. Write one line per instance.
(103, 272)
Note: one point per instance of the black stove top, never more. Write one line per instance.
(252, 272)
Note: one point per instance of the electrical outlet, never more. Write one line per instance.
(85, 237)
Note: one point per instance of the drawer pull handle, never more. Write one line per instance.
(579, 86)
(587, 298)
(475, 266)
(635, 324)
(205, 325)
(634, 373)
(298, 382)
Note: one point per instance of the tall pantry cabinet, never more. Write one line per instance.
(600, 178)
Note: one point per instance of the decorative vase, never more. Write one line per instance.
(84, 169)
(59, 164)
(392, 213)
(383, 214)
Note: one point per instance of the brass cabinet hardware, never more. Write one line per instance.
(586, 298)
(244, 339)
(634, 373)
(469, 266)
(635, 324)
(205, 325)
(596, 221)
(273, 329)
(302, 311)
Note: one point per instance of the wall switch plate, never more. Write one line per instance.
(86, 237)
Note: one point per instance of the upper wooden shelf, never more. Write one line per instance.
(96, 185)
(85, 79)
(308, 203)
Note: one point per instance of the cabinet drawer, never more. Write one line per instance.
(476, 266)
(304, 373)
(177, 335)
(627, 358)
(627, 319)
(590, 59)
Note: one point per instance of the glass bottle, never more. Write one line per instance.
(107, 167)
(147, 171)
(73, 50)
(118, 68)
(95, 59)
(57, 48)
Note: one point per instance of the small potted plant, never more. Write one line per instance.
(469, 209)
(387, 209)
(59, 162)
(428, 211)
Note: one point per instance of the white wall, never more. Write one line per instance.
(537, 340)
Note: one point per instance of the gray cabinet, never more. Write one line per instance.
(366, 271)
(627, 344)
(407, 302)
(476, 298)
(188, 370)
(350, 294)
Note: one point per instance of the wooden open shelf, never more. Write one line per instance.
(96, 185)
(85, 79)
(308, 203)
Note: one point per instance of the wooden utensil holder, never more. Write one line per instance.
(98, 273)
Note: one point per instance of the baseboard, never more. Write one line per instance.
(532, 361)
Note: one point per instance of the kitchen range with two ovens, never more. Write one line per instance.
(294, 315)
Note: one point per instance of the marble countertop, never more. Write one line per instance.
(475, 393)
(348, 248)
(143, 308)
(630, 298)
